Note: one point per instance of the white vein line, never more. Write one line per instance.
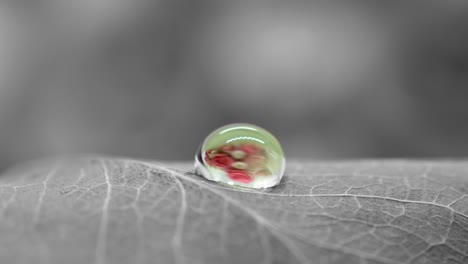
(20, 186)
(383, 198)
(422, 253)
(85, 191)
(360, 254)
(8, 202)
(161, 198)
(273, 229)
(267, 256)
(222, 235)
(82, 175)
(335, 195)
(101, 246)
(285, 240)
(449, 228)
(40, 200)
(270, 226)
(374, 226)
(354, 237)
(457, 200)
(139, 223)
(177, 239)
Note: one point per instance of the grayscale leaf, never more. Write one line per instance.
(102, 210)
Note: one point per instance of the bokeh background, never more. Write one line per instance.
(151, 78)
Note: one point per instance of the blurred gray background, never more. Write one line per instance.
(151, 78)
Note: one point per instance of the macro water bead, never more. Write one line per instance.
(243, 155)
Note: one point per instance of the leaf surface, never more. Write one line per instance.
(103, 210)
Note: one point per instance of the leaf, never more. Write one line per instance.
(100, 210)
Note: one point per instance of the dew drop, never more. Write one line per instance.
(241, 155)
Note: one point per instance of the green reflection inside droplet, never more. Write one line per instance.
(241, 154)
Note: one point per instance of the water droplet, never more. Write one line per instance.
(243, 155)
